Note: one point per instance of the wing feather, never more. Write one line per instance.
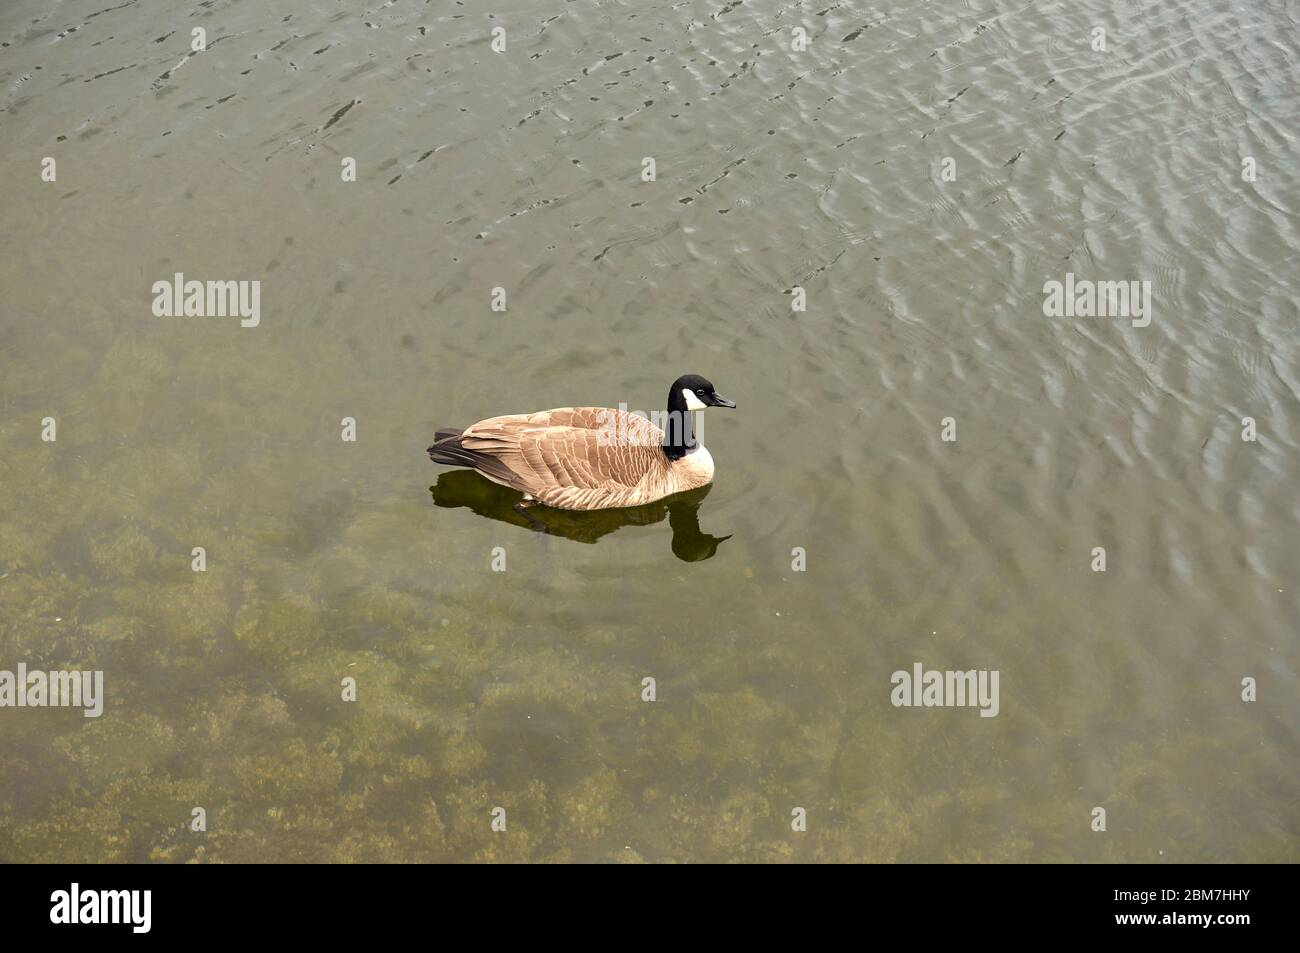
(570, 455)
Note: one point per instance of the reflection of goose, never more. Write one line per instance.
(589, 458)
(465, 488)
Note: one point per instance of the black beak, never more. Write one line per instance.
(717, 400)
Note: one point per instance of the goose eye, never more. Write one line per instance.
(700, 392)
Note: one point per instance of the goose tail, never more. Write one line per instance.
(447, 449)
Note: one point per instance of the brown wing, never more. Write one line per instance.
(583, 418)
(574, 457)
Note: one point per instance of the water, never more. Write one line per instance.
(477, 689)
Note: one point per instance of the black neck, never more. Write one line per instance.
(679, 434)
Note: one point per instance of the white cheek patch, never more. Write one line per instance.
(693, 402)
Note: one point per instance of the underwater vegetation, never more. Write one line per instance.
(519, 690)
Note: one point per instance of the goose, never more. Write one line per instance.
(589, 458)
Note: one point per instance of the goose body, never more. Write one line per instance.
(589, 458)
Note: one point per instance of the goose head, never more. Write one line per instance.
(693, 392)
(690, 392)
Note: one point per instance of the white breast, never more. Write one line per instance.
(698, 464)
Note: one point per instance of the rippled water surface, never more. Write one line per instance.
(776, 168)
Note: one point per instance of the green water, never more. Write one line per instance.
(329, 559)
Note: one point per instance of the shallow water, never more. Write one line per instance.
(522, 689)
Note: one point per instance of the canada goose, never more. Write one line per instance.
(589, 458)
